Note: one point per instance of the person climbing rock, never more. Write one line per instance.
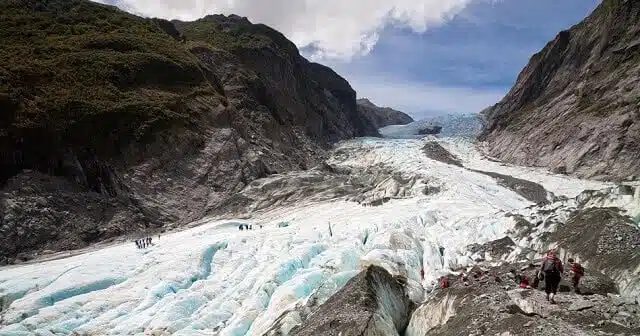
(422, 273)
(552, 268)
(444, 282)
(576, 272)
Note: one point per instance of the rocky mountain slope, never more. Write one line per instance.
(113, 124)
(382, 116)
(576, 106)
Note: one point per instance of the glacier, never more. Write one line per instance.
(467, 126)
(215, 279)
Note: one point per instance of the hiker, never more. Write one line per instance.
(464, 279)
(524, 283)
(520, 279)
(444, 282)
(422, 273)
(150, 240)
(577, 272)
(241, 227)
(137, 243)
(552, 268)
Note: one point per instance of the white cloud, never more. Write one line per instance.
(338, 29)
(423, 99)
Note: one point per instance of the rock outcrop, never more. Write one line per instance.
(414, 130)
(432, 130)
(372, 303)
(575, 106)
(382, 116)
(138, 123)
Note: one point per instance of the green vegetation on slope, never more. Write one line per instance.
(234, 32)
(73, 72)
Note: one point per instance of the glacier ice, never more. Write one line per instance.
(215, 278)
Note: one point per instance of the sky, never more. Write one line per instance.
(423, 57)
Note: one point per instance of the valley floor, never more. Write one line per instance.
(216, 279)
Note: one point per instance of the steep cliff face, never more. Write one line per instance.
(382, 116)
(144, 123)
(289, 88)
(576, 106)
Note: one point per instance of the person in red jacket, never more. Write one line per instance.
(444, 282)
(525, 282)
(552, 268)
(577, 272)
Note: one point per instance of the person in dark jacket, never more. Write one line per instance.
(552, 269)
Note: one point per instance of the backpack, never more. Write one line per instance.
(578, 269)
(550, 266)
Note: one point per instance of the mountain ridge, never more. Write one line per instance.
(574, 107)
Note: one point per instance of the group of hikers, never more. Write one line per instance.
(242, 227)
(143, 242)
(550, 271)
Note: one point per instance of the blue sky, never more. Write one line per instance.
(463, 65)
(424, 57)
